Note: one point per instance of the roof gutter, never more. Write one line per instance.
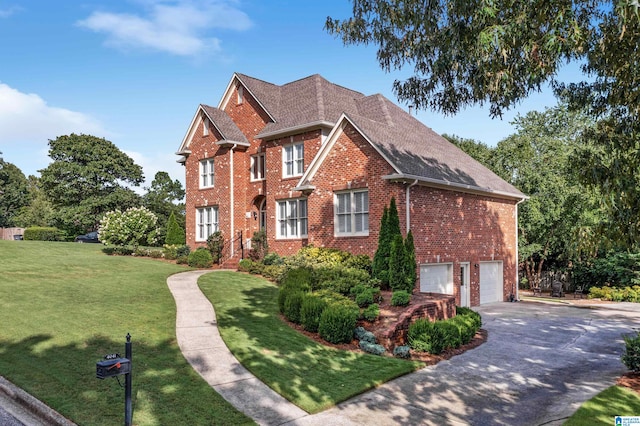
(517, 295)
(436, 183)
(407, 199)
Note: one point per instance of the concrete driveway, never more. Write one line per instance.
(540, 363)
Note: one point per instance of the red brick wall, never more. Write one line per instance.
(448, 226)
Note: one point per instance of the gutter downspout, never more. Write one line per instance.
(518, 254)
(407, 200)
(231, 198)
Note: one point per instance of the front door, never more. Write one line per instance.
(464, 284)
(263, 215)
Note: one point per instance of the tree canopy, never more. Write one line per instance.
(492, 52)
(14, 192)
(88, 177)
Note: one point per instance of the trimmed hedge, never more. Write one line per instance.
(337, 322)
(43, 233)
(293, 304)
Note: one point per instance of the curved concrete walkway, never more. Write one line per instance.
(202, 346)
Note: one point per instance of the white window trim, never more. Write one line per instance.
(294, 160)
(299, 228)
(214, 224)
(352, 214)
(255, 163)
(205, 127)
(211, 181)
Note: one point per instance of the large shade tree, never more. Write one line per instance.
(14, 192)
(88, 176)
(498, 52)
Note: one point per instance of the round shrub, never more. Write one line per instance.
(272, 259)
(337, 322)
(170, 252)
(183, 250)
(244, 265)
(292, 306)
(182, 260)
(367, 336)
(201, 258)
(311, 311)
(402, 352)
(358, 332)
(371, 313)
(365, 297)
(400, 298)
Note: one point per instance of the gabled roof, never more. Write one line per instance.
(414, 151)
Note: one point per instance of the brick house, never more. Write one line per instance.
(311, 162)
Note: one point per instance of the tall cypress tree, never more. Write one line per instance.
(380, 264)
(394, 220)
(175, 233)
(397, 263)
(410, 262)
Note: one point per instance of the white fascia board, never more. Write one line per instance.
(186, 141)
(453, 186)
(229, 91)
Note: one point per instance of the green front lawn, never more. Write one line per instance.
(63, 306)
(311, 375)
(602, 408)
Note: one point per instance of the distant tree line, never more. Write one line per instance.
(87, 177)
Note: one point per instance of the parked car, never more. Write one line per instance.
(91, 237)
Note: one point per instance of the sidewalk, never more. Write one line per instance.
(202, 346)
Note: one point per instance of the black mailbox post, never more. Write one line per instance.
(114, 365)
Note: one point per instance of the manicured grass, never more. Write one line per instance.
(602, 408)
(63, 306)
(311, 375)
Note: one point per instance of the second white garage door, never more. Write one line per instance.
(491, 282)
(436, 278)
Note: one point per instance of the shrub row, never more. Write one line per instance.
(620, 269)
(626, 294)
(436, 337)
(42, 233)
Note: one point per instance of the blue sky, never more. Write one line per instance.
(134, 71)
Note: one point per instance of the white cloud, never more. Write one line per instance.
(28, 118)
(180, 27)
(160, 162)
(8, 11)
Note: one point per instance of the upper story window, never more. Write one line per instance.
(352, 213)
(206, 222)
(240, 95)
(207, 175)
(293, 160)
(292, 218)
(205, 127)
(258, 167)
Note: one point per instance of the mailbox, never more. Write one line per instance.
(113, 367)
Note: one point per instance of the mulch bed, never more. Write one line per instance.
(389, 315)
(631, 381)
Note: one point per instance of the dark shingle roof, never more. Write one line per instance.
(227, 127)
(411, 147)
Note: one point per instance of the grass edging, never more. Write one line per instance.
(312, 376)
(602, 408)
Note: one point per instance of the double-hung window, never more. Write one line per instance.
(257, 167)
(206, 222)
(292, 218)
(352, 213)
(293, 160)
(206, 173)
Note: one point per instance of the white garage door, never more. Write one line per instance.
(436, 278)
(491, 282)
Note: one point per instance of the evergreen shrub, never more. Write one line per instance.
(402, 352)
(175, 233)
(201, 258)
(337, 322)
(311, 311)
(371, 312)
(400, 298)
(42, 233)
(292, 305)
(631, 357)
(371, 348)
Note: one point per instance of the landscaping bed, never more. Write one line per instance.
(389, 318)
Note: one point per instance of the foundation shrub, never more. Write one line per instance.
(274, 272)
(365, 297)
(293, 304)
(201, 258)
(155, 254)
(435, 337)
(183, 250)
(311, 311)
(182, 260)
